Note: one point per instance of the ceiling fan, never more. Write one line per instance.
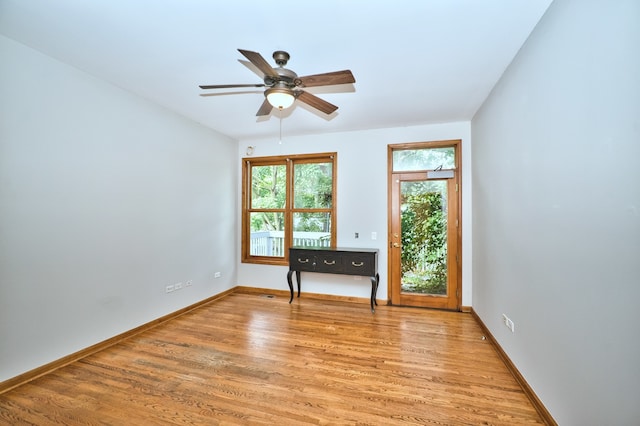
(284, 86)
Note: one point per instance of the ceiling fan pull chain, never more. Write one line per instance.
(280, 125)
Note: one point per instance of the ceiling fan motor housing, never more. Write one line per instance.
(286, 76)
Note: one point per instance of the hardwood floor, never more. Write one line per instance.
(251, 359)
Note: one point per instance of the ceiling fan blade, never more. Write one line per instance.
(229, 86)
(316, 102)
(328, 79)
(256, 59)
(265, 108)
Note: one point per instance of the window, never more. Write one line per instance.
(414, 159)
(287, 201)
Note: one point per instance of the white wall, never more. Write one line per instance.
(556, 198)
(105, 199)
(361, 202)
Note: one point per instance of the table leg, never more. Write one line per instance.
(374, 291)
(298, 279)
(375, 296)
(291, 285)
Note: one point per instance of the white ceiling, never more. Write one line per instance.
(414, 61)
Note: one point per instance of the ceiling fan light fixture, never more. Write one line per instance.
(280, 98)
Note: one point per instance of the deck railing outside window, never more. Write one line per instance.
(271, 243)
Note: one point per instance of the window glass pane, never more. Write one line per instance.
(424, 237)
(267, 234)
(424, 159)
(268, 187)
(312, 229)
(312, 185)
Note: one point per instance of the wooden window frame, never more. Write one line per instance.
(289, 161)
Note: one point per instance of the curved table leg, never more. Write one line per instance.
(291, 285)
(375, 300)
(290, 282)
(374, 291)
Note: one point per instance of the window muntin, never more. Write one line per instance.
(287, 201)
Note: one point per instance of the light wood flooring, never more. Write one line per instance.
(250, 359)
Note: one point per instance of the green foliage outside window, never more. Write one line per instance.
(424, 243)
(313, 185)
(424, 159)
(268, 191)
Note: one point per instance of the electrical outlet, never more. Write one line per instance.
(189, 283)
(508, 323)
(374, 235)
(177, 286)
(217, 275)
(169, 288)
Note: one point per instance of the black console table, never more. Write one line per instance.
(345, 261)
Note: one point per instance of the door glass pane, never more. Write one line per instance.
(268, 187)
(312, 229)
(312, 185)
(424, 159)
(267, 234)
(423, 213)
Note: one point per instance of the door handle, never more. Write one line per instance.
(395, 245)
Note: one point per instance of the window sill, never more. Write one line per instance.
(267, 261)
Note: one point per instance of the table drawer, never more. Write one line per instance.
(332, 263)
(359, 264)
(301, 260)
